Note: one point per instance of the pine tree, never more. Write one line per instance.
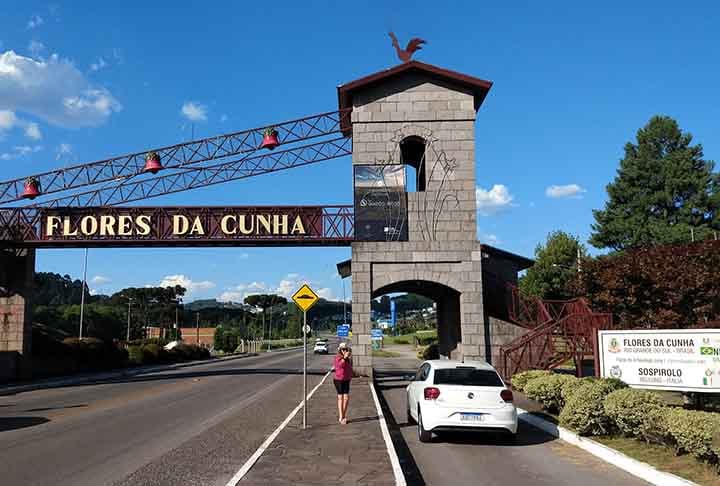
(663, 190)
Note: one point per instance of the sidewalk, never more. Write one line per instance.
(327, 452)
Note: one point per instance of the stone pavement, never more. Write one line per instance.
(328, 452)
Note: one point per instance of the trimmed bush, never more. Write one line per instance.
(635, 412)
(569, 387)
(135, 355)
(429, 352)
(694, 432)
(547, 389)
(584, 411)
(519, 380)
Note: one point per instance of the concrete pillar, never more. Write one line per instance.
(17, 271)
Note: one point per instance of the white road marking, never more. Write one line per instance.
(394, 461)
(256, 455)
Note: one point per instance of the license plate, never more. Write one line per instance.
(471, 417)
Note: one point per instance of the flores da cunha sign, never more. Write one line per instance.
(181, 223)
(681, 360)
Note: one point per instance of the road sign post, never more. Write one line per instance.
(305, 298)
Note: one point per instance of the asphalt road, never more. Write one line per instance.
(192, 426)
(534, 459)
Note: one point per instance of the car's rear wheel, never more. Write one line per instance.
(423, 435)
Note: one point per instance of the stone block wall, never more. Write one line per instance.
(442, 246)
(17, 270)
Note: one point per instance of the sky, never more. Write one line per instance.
(573, 81)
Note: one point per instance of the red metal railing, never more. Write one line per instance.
(559, 331)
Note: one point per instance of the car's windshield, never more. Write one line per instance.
(467, 376)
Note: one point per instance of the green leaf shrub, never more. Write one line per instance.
(584, 411)
(694, 432)
(547, 389)
(635, 413)
(519, 380)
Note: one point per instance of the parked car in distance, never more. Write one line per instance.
(320, 348)
(447, 395)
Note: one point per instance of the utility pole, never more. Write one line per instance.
(344, 302)
(127, 336)
(82, 297)
(197, 327)
(270, 330)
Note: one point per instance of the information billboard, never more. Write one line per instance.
(380, 203)
(681, 360)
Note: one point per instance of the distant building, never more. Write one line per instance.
(204, 336)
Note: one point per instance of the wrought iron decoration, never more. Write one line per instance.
(405, 55)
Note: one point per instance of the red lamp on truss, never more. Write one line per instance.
(31, 190)
(270, 138)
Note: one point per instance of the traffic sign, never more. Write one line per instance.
(305, 298)
(376, 334)
(343, 330)
(307, 328)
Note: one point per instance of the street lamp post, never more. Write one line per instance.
(82, 297)
(344, 302)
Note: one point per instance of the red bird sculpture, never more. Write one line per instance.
(415, 44)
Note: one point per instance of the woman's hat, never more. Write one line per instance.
(343, 346)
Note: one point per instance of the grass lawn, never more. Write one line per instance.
(381, 353)
(402, 339)
(663, 458)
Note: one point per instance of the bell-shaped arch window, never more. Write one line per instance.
(412, 154)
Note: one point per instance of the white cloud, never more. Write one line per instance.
(36, 48)
(98, 65)
(54, 90)
(63, 150)
(189, 284)
(569, 190)
(34, 22)
(20, 151)
(32, 130)
(488, 238)
(493, 201)
(286, 287)
(99, 280)
(194, 111)
(8, 120)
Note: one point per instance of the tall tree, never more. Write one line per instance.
(556, 265)
(663, 190)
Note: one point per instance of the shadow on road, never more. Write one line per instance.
(12, 423)
(45, 409)
(209, 373)
(526, 435)
(383, 380)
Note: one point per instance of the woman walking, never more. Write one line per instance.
(343, 375)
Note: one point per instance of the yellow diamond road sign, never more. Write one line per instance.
(305, 298)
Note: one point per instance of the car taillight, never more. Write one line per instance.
(507, 396)
(431, 393)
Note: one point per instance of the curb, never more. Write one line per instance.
(113, 374)
(394, 459)
(639, 469)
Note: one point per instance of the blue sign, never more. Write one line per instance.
(343, 330)
(393, 313)
(376, 334)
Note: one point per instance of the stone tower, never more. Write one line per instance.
(420, 117)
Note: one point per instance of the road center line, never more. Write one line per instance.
(259, 452)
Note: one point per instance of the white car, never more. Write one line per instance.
(320, 348)
(446, 395)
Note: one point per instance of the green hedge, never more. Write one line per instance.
(604, 406)
(519, 380)
(428, 352)
(636, 413)
(547, 389)
(584, 411)
(693, 432)
(150, 354)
